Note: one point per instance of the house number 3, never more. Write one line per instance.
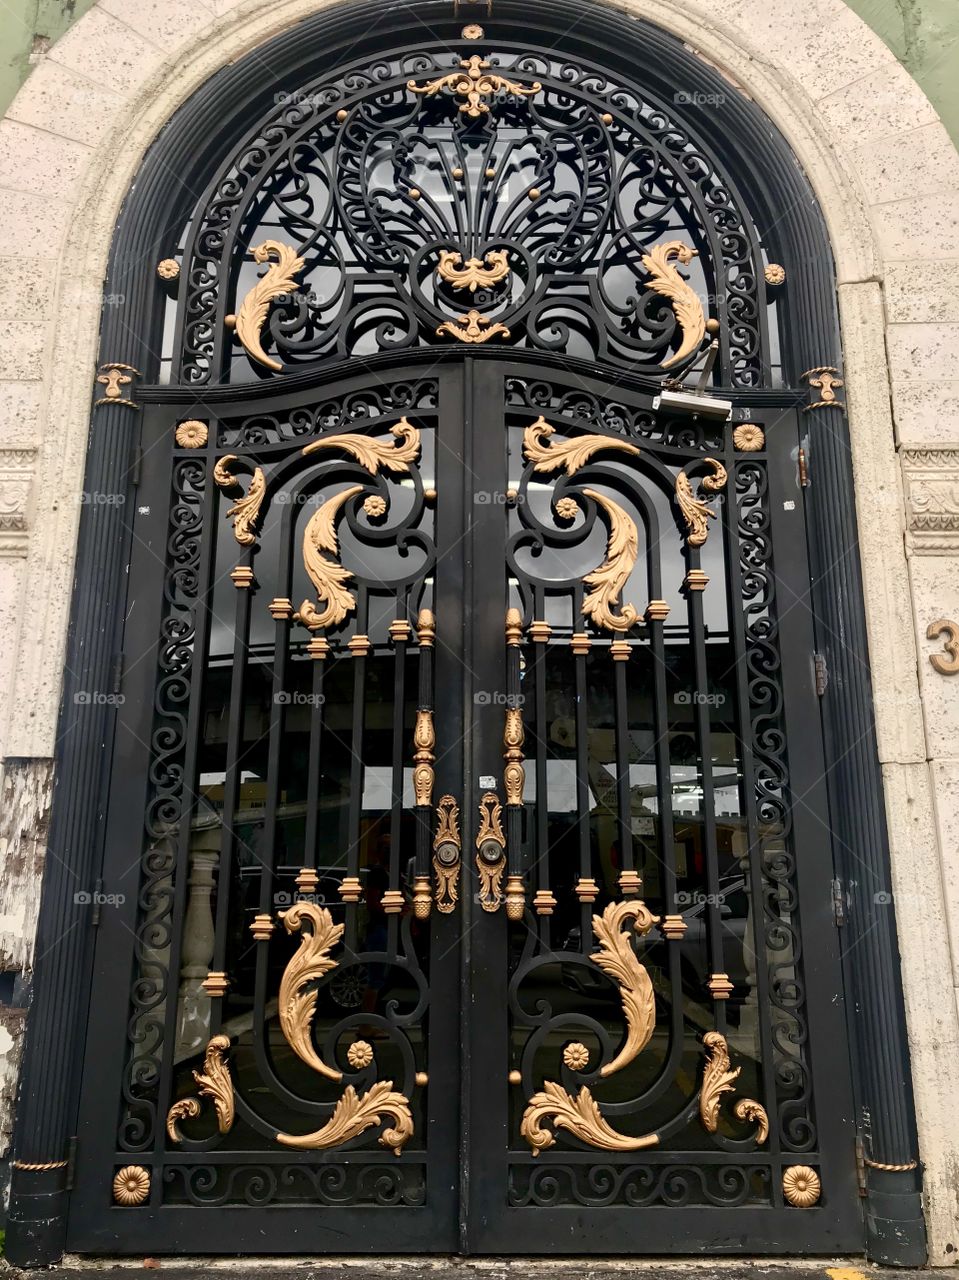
(947, 664)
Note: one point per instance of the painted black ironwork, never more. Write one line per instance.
(371, 184)
(358, 175)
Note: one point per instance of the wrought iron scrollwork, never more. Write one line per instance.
(401, 185)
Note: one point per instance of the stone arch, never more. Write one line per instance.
(862, 130)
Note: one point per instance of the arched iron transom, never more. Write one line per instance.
(479, 194)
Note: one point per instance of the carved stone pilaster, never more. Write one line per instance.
(16, 480)
(931, 481)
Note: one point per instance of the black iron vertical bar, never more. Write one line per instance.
(620, 653)
(580, 644)
(694, 599)
(359, 647)
(243, 579)
(543, 901)
(400, 633)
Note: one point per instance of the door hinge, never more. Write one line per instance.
(803, 469)
(822, 673)
(861, 1167)
(71, 1163)
(838, 903)
(118, 661)
(97, 900)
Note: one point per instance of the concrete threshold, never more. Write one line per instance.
(446, 1268)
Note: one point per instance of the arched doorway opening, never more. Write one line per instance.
(532, 575)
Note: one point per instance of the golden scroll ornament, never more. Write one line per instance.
(571, 454)
(297, 999)
(490, 852)
(473, 327)
(719, 1078)
(375, 454)
(696, 511)
(214, 1081)
(607, 582)
(668, 283)
(279, 279)
(320, 542)
(246, 510)
(446, 855)
(476, 84)
(354, 1114)
(617, 959)
(580, 1116)
(329, 577)
(473, 274)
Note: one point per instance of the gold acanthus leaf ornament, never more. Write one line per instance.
(474, 328)
(607, 582)
(376, 454)
(571, 454)
(668, 283)
(297, 997)
(696, 512)
(580, 1116)
(719, 1078)
(475, 83)
(328, 577)
(617, 959)
(246, 510)
(473, 274)
(251, 317)
(214, 1081)
(354, 1114)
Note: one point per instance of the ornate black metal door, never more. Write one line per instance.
(489, 749)
(467, 873)
(659, 987)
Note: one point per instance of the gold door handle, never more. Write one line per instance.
(447, 860)
(490, 852)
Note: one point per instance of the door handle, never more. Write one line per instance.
(447, 859)
(490, 852)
